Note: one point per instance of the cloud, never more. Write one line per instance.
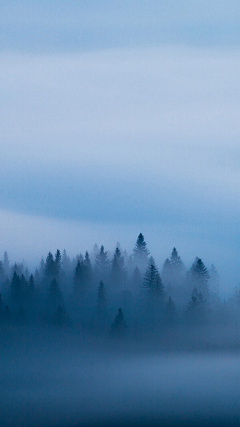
(133, 137)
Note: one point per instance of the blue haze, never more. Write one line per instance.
(124, 116)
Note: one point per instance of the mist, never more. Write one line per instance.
(119, 213)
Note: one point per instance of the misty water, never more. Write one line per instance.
(52, 380)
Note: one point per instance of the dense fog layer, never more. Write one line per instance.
(110, 339)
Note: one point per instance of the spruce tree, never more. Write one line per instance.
(101, 307)
(119, 327)
(2, 273)
(50, 267)
(140, 253)
(78, 281)
(101, 299)
(102, 264)
(16, 290)
(199, 277)
(6, 264)
(152, 283)
(118, 271)
(58, 262)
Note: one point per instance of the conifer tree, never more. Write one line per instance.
(118, 271)
(2, 273)
(152, 283)
(58, 262)
(16, 290)
(199, 277)
(140, 253)
(78, 286)
(50, 267)
(101, 299)
(102, 264)
(31, 286)
(87, 269)
(119, 327)
(101, 306)
(6, 264)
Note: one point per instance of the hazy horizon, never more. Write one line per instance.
(118, 119)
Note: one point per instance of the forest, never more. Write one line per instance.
(123, 296)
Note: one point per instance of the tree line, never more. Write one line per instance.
(122, 294)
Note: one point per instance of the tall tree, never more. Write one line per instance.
(118, 270)
(102, 264)
(58, 262)
(152, 295)
(17, 293)
(119, 327)
(6, 264)
(174, 275)
(101, 306)
(50, 267)
(140, 253)
(78, 281)
(199, 277)
(152, 284)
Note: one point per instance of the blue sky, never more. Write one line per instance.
(121, 117)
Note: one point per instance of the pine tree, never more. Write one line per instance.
(102, 264)
(58, 262)
(174, 275)
(118, 271)
(6, 264)
(119, 327)
(87, 270)
(101, 298)
(199, 277)
(16, 290)
(50, 267)
(175, 261)
(140, 253)
(152, 283)
(101, 306)
(31, 286)
(78, 281)
(2, 273)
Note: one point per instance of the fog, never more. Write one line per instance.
(58, 385)
(143, 137)
(111, 337)
(117, 119)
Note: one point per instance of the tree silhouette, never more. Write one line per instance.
(140, 253)
(152, 283)
(118, 271)
(119, 327)
(102, 264)
(199, 276)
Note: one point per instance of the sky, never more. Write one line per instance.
(118, 118)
